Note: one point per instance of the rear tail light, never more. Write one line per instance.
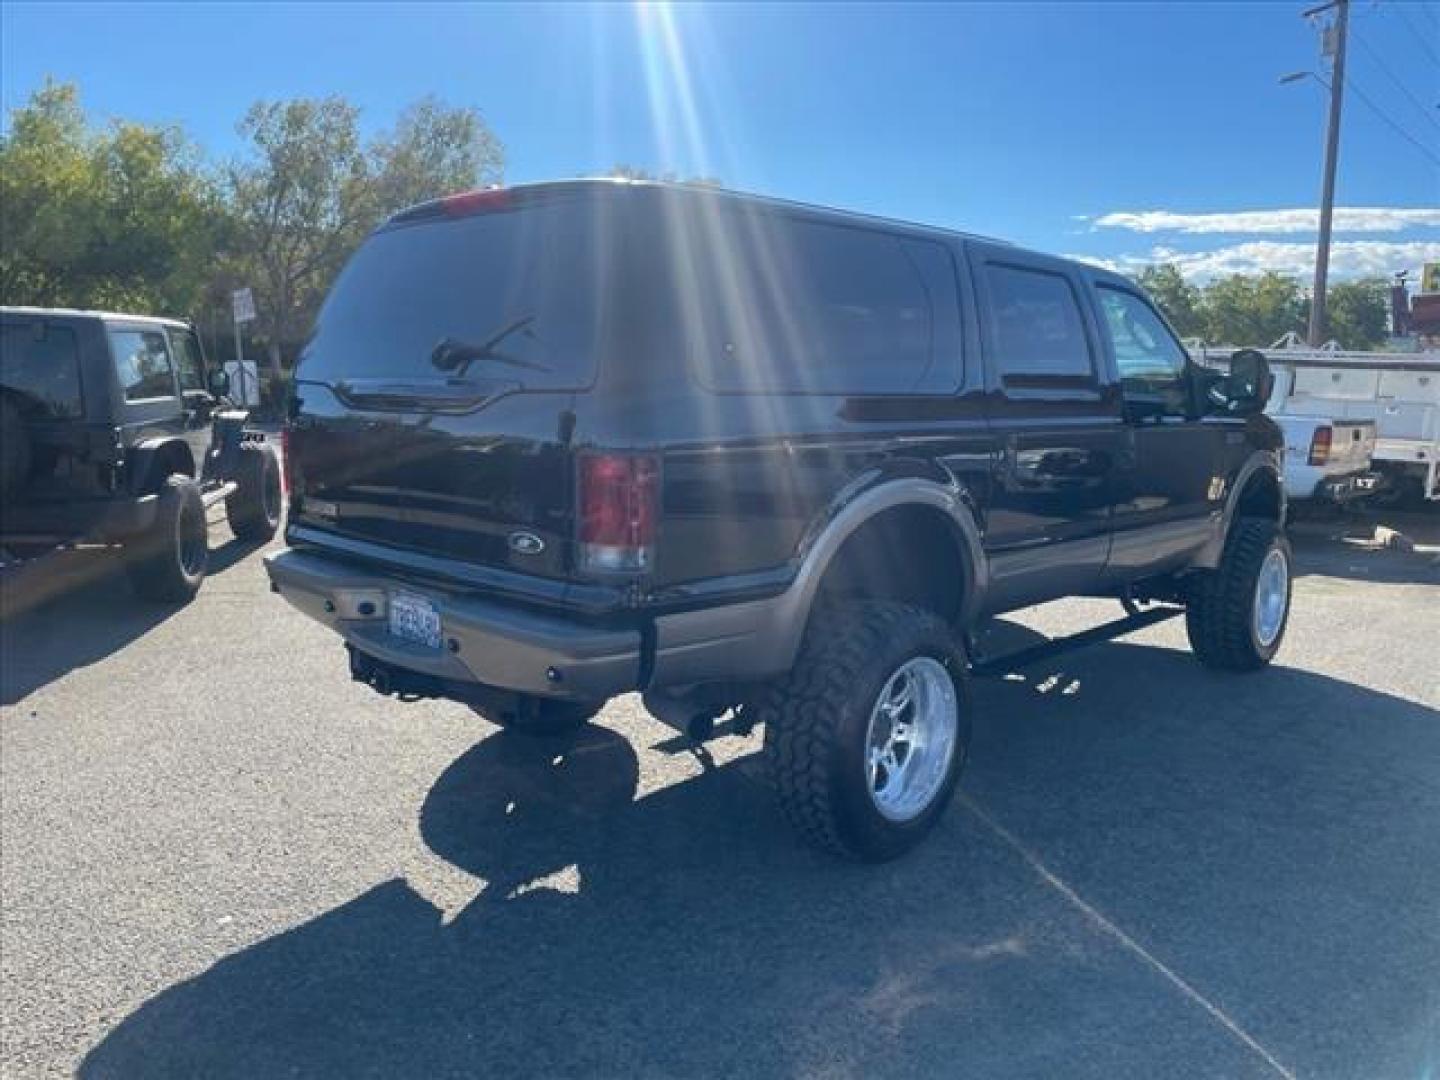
(1320, 446)
(617, 502)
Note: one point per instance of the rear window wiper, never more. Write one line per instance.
(452, 354)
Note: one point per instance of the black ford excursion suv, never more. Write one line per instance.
(555, 443)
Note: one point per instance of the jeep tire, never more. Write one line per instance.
(254, 507)
(167, 562)
(868, 733)
(1237, 613)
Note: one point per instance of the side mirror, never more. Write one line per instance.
(1247, 387)
(219, 382)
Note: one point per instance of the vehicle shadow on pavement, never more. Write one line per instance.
(74, 608)
(1272, 840)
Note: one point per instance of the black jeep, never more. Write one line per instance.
(112, 432)
(559, 442)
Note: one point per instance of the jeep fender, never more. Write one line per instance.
(759, 639)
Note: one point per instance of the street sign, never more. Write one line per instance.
(244, 305)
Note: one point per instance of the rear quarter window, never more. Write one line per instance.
(772, 303)
(41, 363)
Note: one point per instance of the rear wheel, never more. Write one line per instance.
(1238, 612)
(254, 507)
(168, 562)
(869, 731)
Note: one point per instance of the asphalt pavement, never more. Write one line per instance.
(221, 858)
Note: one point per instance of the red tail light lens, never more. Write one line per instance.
(617, 511)
(1320, 446)
(475, 202)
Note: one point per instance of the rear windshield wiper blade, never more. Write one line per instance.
(452, 354)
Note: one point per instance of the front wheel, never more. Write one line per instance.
(1238, 612)
(868, 732)
(254, 507)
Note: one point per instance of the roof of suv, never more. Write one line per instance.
(77, 313)
(544, 189)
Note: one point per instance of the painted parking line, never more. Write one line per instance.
(1099, 919)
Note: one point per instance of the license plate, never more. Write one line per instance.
(415, 619)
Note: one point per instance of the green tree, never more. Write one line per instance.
(1177, 298)
(120, 217)
(310, 191)
(1251, 310)
(1358, 313)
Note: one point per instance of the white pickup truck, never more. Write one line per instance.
(1399, 393)
(1327, 454)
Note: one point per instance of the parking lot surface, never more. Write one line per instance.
(220, 857)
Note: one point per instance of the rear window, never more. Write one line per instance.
(776, 303)
(528, 283)
(42, 362)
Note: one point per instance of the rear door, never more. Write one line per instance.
(434, 396)
(1166, 482)
(1058, 420)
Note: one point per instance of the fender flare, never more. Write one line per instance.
(144, 461)
(1259, 461)
(759, 639)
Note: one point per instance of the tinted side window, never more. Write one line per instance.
(187, 359)
(142, 362)
(1035, 324)
(1151, 361)
(788, 305)
(42, 363)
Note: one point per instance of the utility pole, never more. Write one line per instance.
(1335, 46)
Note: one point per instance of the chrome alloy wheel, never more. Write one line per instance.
(1272, 597)
(912, 738)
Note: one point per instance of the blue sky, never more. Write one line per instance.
(1110, 130)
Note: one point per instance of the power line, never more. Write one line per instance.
(1420, 36)
(1375, 55)
(1365, 99)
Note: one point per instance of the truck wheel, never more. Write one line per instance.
(542, 716)
(168, 562)
(868, 732)
(254, 507)
(1237, 613)
(14, 449)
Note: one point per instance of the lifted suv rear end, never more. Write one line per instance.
(561, 442)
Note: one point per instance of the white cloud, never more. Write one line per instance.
(1348, 259)
(1348, 219)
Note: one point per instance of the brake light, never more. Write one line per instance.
(475, 202)
(617, 502)
(1320, 446)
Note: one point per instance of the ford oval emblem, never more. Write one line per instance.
(525, 543)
